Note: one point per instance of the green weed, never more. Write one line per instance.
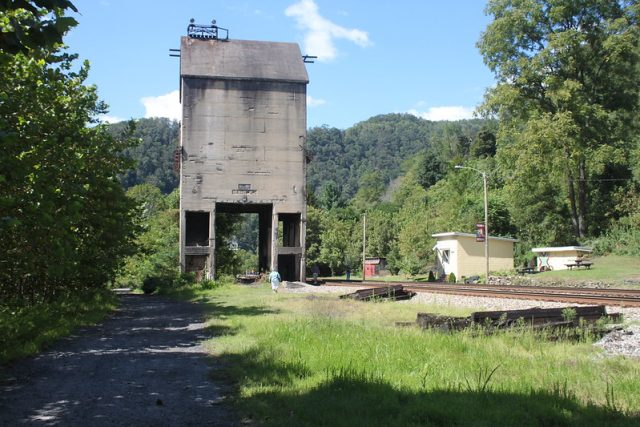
(25, 331)
(316, 360)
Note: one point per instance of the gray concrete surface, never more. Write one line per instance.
(243, 149)
(144, 366)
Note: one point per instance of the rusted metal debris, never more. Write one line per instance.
(392, 292)
(538, 318)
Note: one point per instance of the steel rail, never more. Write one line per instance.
(617, 297)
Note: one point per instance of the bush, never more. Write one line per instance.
(432, 277)
(208, 284)
(184, 279)
(152, 284)
(452, 278)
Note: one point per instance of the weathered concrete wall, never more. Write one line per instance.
(243, 137)
(243, 143)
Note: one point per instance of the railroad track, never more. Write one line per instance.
(614, 297)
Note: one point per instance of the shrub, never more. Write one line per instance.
(184, 279)
(152, 284)
(208, 284)
(452, 278)
(432, 277)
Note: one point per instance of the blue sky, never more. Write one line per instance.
(416, 56)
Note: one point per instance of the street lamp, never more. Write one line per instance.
(486, 219)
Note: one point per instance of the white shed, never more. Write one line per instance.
(559, 258)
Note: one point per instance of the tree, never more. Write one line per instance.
(34, 26)
(484, 145)
(573, 67)
(382, 231)
(429, 169)
(65, 221)
(157, 241)
(313, 240)
(331, 196)
(153, 155)
(341, 241)
(370, 189)
(414, 235)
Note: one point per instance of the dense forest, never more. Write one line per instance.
(157, 138)
(382, 144)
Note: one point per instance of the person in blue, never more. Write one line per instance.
(274, 278)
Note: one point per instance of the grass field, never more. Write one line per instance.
(612, 269)
(25, 331)
(302, 359)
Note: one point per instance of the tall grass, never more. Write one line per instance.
(25, 331)
(308, 360)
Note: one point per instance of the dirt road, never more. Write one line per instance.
(144, 366)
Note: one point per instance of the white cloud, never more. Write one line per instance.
(315, 102)
(167, 105)
(437, 114)
(320, 33)
(105, 118)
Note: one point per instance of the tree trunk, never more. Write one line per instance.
(572, 203)
(582, 199)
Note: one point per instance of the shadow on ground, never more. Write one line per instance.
(143, 366)
(349, 398)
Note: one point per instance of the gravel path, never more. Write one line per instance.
(144, 366)
(624, 343)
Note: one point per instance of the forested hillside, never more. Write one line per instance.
(153, 156)
(382, 144)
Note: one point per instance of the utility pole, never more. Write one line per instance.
(486, 227)
(486, 219)
(364, 245)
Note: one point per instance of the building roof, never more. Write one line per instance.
(457, 234)
(242, 60)
(563, 249)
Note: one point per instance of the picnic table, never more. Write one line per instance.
(580, 263)
(526, 270)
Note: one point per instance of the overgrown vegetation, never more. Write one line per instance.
(317, 360)
(153, 155)
(64, 219)
(26, 330)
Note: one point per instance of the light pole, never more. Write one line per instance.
(364, 246)
(486, 219)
